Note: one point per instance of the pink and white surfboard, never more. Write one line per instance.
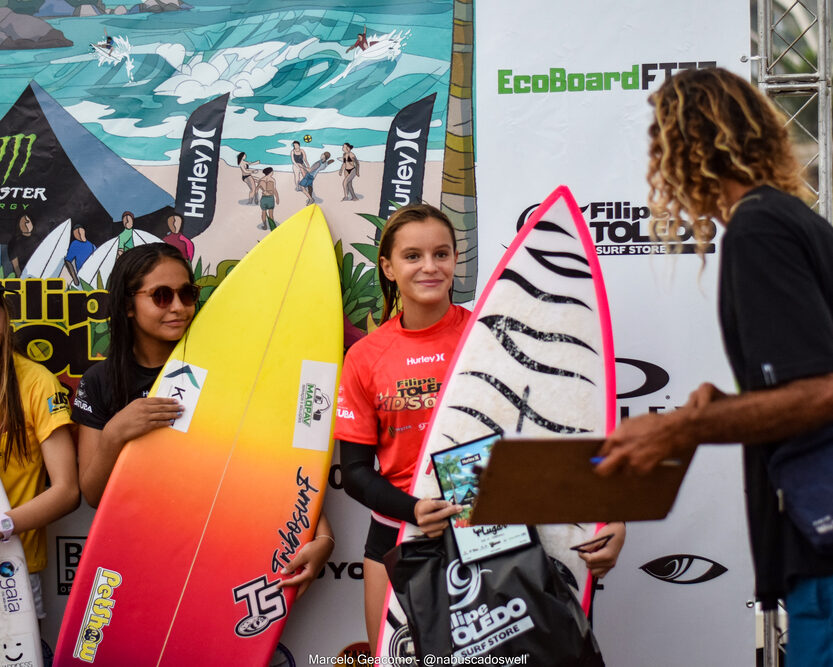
(536, 360)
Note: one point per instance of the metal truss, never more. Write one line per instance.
(794, 70)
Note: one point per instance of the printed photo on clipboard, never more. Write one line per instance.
(457, 470)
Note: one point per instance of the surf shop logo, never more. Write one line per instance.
(479, 628)
(12, 145)
(313, 404)
(620, 228)
(265, 604)
(99, 614)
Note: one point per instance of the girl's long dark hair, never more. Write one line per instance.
(128, 273)
(12, 418)
(400, 218)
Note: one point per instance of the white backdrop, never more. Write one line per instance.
(664, 311)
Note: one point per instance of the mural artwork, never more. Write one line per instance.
(205, 125)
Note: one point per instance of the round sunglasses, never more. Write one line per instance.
(163, 295)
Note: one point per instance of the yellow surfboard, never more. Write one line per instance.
(197, 520)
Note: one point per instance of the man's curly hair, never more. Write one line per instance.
(710, 124)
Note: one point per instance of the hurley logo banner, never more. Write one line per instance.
(196, 185)
(405, 156)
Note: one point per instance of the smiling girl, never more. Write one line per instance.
(390, 383)
(152, 302)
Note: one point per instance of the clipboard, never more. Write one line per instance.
(552, 481)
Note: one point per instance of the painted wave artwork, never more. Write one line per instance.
(290, 73)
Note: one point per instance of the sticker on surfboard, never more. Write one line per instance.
(12, 571)
(98, 615)
(184, 382)
(313, 423)
(17, 647)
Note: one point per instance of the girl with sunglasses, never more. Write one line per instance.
(36, 442)
(152, 302)
(389, 384)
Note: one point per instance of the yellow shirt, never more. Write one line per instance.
(45, 408)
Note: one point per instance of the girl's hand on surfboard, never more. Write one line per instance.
(144, 415)
(432, 515)
(601, 561)
(307, 563)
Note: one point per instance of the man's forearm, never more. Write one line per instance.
(765, 415)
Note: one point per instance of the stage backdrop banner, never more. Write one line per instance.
(562, 97)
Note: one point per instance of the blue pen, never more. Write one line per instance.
(667, 463)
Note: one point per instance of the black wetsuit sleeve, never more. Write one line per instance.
(364, 483)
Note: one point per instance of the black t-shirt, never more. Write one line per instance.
(95, 403)
(776, 315)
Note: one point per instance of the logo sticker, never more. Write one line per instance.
(265, 604)
(98, 615)
(315, 414)
(13, 588)
(184, 382)
(18, 651)
(57, 402)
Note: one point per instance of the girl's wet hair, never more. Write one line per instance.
(400, 218)
(127, 276)
(240, 157)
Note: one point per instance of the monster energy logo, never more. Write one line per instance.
(16, 141)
